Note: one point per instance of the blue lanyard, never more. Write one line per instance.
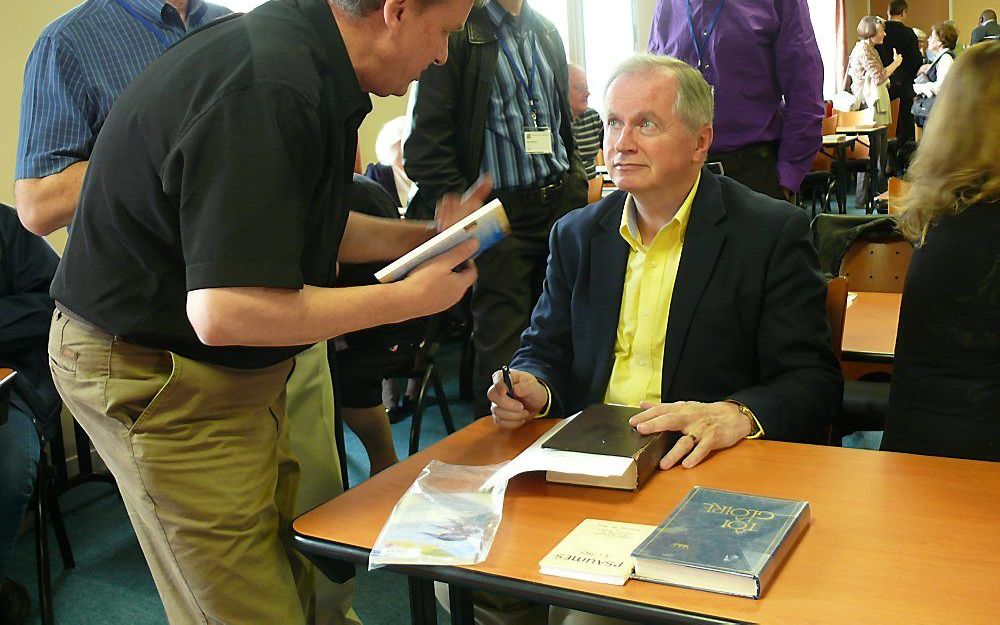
(528, 81)
(708, 31)
(150, 26)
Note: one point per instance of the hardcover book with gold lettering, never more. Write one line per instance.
(722, 541)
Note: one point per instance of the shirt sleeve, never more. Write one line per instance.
(243, 175)
(800, 75)
(57, 110)
(28, 265)
(932, 88)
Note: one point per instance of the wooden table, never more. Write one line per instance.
(875, 134)
(870, 333)
(895, 538)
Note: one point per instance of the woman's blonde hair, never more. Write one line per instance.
(868, 26)
(958, 161)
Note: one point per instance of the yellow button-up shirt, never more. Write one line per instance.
(642, 322)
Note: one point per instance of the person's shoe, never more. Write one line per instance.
(15, 604)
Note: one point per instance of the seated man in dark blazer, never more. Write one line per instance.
(687, 293)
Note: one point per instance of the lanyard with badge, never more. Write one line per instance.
(537, 139)
(706, 33)
(145, 23)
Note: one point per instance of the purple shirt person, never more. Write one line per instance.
(761, 58)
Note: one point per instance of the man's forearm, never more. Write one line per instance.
(266, 317)
(47, 204)
(372, 239)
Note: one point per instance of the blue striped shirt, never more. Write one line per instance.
(504, 153)
(80, 64)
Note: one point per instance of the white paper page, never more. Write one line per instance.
(537, 458)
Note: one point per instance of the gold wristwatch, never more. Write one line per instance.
(758, 429)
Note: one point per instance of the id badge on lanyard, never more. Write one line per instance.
(707, 33)
(537, 139)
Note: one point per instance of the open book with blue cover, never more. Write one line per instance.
(489, 225)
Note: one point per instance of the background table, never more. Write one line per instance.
(895, 538)
(870, 324)
(876, 159)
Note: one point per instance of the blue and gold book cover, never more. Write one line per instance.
(724, 531)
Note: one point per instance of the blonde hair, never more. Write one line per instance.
(958, 161)
(694, 103)
(869, 25)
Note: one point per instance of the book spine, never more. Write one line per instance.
(648, 460)
(774, 562)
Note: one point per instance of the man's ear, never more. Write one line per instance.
(703, 141)
(393, 11)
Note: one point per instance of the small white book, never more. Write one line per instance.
(488, 224)
(596, 551)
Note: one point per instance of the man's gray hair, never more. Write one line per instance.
(694, 104)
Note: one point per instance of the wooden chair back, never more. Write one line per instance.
(836, 310)
(859, 150)
(898, 188)
(855, 118)
(822, 162)
(877, 266)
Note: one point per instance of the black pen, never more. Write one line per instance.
(505, 370)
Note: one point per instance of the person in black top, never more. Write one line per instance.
(945, 396)
(900, 38)
(363, 358)
(27, 265)
(202, 258)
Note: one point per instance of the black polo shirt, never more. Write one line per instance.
(221, 165)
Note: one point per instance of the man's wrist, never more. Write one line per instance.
(544, 412)
(756, 429)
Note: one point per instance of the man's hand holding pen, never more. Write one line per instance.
(516, 401)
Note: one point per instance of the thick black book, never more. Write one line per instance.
(722, 541)
(604, 430)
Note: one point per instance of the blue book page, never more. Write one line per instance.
(722, 530)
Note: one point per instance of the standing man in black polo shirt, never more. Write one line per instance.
(500, 106)
(207, 235)
(900, 38)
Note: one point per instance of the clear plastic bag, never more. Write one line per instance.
(449, 516)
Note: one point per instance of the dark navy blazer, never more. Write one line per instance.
(747, 317)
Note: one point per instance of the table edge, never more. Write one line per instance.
(541, 593)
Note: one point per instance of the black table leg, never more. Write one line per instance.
(423, 607)
(462, 608)
(842, 177)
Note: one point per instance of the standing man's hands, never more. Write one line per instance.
(706, 427)
(530, 397)
(439, 283)
(452, 208)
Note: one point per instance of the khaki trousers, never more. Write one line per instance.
(314, 446)
(202, 459)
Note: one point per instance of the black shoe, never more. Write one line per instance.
(15, 605)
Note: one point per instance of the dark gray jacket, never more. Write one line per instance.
(444, 151)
